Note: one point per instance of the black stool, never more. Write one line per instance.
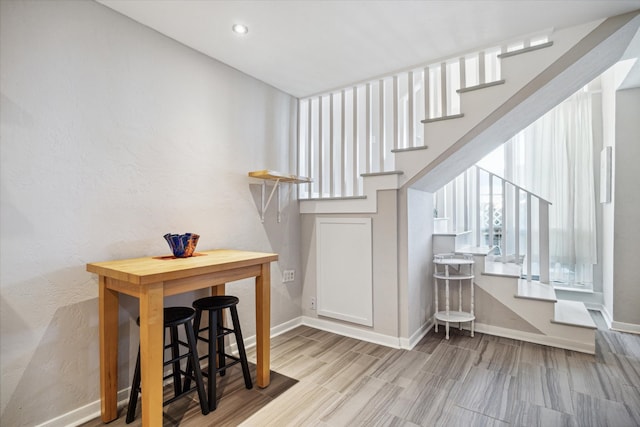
(215, 305)
(174, 317)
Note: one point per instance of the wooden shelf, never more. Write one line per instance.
(278, 176)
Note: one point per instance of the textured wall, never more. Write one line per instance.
(113, 135)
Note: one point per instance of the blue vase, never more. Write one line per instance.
(182, 245)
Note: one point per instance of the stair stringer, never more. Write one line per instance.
(454, 145)
(367, 203)
(476, 105)
(447, 131)
(539, 314)
(535, 82)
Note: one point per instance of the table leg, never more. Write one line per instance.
(263, 325)
(152, 352)
(108, 308)
(218, 290)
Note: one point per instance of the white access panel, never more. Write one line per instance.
(345, 279)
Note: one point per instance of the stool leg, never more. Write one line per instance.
(195, 361)
(175, 353)
(196, 328)
(220, 337)
(211, 375)
(240, 344)
(133, 396)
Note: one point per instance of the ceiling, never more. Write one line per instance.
(308, 47)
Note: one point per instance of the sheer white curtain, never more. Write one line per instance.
(553, 158)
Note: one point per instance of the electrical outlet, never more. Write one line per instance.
(313, 303)
(288, 276)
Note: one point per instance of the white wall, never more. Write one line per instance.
(626, 298)
(620, 109)
(608, 211)
(420, 231)
(415, 255)
(112, 135)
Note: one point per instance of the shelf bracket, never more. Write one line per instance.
(275, 189)
(277, 177)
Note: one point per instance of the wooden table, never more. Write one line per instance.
(150, 279)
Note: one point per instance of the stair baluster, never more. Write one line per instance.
(436, 86)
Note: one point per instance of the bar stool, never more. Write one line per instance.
(215, 306)
(174, 317)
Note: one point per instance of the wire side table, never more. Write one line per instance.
(459, 268)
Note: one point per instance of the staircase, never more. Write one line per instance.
(494, 223)
(418, 130)
(359, 140)
(511, 306)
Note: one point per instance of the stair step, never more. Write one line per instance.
(573, 313)
(481, 86)
(525, 50)
(563, 287)
(381, 173)
(453, 233)
(497, 268)
(402, 150)
(474, 250)
(536, 291)
(314, 199)
(439, 119)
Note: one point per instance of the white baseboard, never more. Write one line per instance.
(92, 410)
(415, 338)
(85, 413)
(536, 338)
(275, 331)
(606, 315)
(625, 327)
(593, 306)
(631, 328)
(352, 332)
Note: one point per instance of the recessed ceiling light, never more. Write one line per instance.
(240, 29)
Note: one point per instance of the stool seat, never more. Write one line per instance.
(174, 317)
(215, 305)
(216, 302)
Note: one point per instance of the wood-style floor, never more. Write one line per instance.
(480, 381)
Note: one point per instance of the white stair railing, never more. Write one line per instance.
(355, 130)
(504, 215)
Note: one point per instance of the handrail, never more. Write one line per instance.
(508, 210)
(514, 184)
